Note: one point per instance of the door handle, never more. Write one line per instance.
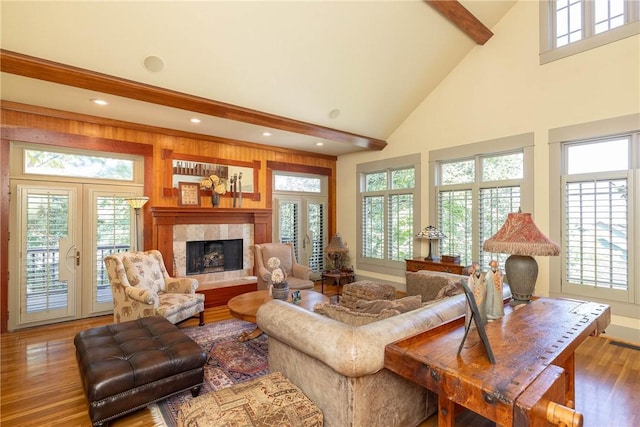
(78, 258)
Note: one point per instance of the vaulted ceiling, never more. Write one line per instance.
(342, 73)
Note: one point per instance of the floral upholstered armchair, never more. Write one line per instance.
(141, 287)
(298, 275)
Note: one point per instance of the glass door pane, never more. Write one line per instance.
(47, 267)
(110, 225)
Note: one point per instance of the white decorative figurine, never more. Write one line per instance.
(493, 281)
(477, 286)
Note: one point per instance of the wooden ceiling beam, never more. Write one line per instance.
(455, 12)
(41, 69)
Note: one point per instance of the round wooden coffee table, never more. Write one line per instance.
(245, 306)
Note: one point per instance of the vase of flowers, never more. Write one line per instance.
(280, 287)
(217, 187)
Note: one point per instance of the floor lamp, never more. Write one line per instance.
(137, 203)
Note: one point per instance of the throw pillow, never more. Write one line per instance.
(449, 291)
(376, 306)
(430, 283)
(353, 318)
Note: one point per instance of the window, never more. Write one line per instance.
(388, 206)
(475, 187)
(597, 224)
(59, 163)
(574, 26)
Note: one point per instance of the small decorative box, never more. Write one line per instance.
(451, 259)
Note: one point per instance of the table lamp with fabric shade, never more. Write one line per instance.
(521, 238)
(137, 203)
(336, 249)
(430, 233)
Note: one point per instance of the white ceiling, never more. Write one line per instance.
(374, 61)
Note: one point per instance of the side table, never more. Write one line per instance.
(337, 277)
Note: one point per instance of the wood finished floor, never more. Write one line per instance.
(40, 384)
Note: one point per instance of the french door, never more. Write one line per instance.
(60, 235)
(303, 222)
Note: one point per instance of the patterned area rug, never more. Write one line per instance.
(230, 361)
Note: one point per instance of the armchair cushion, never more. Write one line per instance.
(143, 271)
(180, 285)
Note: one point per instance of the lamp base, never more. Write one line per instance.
(522, 272)
(430, 256)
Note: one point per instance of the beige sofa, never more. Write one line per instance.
(340, 367)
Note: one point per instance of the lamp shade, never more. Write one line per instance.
(337, 245)
(519, 235)
(430, 233)
(136, 202)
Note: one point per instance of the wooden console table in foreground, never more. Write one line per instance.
(533, 378)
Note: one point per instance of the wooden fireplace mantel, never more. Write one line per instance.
(164, 218)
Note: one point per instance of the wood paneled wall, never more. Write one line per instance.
(27, 123)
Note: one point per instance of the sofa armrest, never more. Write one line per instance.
(180, 285)
(301, 271)
(352, 351)
(143, 296)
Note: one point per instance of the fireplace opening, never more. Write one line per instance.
(212, 256)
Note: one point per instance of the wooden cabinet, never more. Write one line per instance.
(420, 263)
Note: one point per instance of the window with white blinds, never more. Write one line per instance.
(473, 201)
(47, 216)
(317, 221)
(594, 203)
(113, 234)
(388, 203)
(288, 223)
(597, 201)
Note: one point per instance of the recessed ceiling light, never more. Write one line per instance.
(99, 101)
(153, 63)
(319, 144)
(195, 120)
(266, 133)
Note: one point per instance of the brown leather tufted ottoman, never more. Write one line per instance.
(126, 366)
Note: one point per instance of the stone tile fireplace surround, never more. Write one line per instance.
(173, 227)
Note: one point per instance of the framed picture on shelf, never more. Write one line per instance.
(188, 194)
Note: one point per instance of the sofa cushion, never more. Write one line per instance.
(350, 317)
(429, 284)
(403, 305)
(366, 290)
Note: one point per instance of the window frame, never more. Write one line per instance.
(386, 266)
(558, 139)
(549, 52)
(495, 147)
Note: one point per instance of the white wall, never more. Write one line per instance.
(499, 90)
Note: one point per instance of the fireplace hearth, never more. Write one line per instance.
(212, 256)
